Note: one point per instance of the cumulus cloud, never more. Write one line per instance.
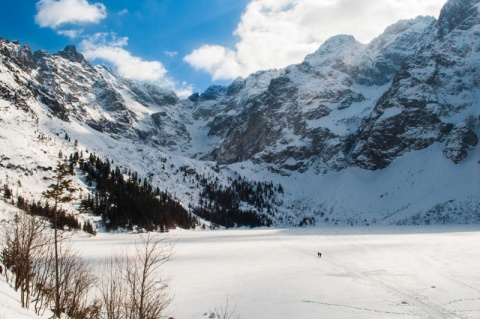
(276, 33)
(184, 90)
(110, 49)
(220, 62)
(53, 13)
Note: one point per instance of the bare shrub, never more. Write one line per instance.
(226, 311)
(25, 242)
(132, 286)
(76, 283)
(28, 254)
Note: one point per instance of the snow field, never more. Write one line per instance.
(364, 272)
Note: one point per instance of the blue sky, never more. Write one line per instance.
(187, 45)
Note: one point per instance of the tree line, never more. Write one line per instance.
(44, 209)
(128, 201)
(242, 203)
(64, 219)
(51, 275)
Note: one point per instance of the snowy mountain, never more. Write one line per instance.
(384, 132)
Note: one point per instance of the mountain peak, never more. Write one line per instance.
(336, 47)
(338, 42)
(461, 14)
(70, 53)
(403, 25)
(21, 54)
(213, 92)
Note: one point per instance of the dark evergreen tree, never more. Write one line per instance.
(223, 205)
(60, 191)
(124, 202)
(7, 192)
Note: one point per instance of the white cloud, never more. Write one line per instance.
(184, 91)
(99, 46)
(171, 53)
(220, 62)
(109, 48)
(276, 33)
(72, 34)
(53, 13)
(123, 12)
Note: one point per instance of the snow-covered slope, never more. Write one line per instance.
(384, 132)
(60, 108)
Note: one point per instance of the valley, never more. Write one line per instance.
(366, 153)
(364, 272)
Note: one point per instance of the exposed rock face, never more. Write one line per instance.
(13, 52)
(70, 53)
(71, 87)
(460, 141)
(458, 14)
(386, 54)
(212, 93)
(350, 104)
(149, 94)
(384, 137)
(434, 89)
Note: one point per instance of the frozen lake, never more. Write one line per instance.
(364, 272)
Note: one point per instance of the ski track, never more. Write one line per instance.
(460, 300)
(446, 276)
(443, 274)
(353, 307)
(432, 311)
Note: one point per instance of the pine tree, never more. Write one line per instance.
(60, 191)
(7, 192)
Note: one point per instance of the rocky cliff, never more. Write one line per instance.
(350, 104)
